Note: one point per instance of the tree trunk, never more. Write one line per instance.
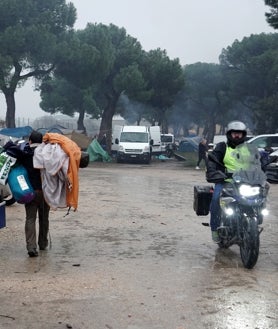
(106, 123)
(10, 112)
(163, 120)
(164, 126)
(80, 121)
(211, 129)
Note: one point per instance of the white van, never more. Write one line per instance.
(134, 144)
(156, 137)
(167, 139)
(117, 129)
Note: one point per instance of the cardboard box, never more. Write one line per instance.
(2, 214)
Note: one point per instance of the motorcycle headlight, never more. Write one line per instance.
(229, 211)
(247, 190)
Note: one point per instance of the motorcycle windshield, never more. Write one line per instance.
(249, 165)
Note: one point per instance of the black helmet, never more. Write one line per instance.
(35, 137)
(236, 126)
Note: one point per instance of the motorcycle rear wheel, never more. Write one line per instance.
(250, 244)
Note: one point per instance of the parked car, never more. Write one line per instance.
(266, 141)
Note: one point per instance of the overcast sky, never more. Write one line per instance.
(191, 30)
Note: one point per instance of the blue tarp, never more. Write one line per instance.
(55, 129)
(19, 132)
(190, 144)
(43, 131)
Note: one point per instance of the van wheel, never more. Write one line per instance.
(148, 161)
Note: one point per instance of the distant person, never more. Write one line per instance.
(103, 142)
(202, 153)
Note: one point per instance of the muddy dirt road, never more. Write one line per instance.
(135, 256)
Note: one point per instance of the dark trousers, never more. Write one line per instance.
(40, 207)
(202, 157)
(215, 207)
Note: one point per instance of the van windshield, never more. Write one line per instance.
(134, 137)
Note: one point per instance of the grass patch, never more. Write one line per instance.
(191, 159)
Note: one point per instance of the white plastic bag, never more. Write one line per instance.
(6, 162)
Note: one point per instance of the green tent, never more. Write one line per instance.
(97, 153)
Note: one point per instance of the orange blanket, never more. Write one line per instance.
(74, 153)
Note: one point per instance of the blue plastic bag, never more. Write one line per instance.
(20, 185)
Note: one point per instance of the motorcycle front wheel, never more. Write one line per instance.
(250, 244)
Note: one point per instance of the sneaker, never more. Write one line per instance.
(197, 168)
(215, 236)
(33, 253)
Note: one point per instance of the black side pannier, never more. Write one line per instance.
(202, 199)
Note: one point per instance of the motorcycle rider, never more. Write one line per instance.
(221, 163)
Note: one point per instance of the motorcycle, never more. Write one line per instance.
(243, 207)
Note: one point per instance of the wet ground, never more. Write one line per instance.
(135, 256)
